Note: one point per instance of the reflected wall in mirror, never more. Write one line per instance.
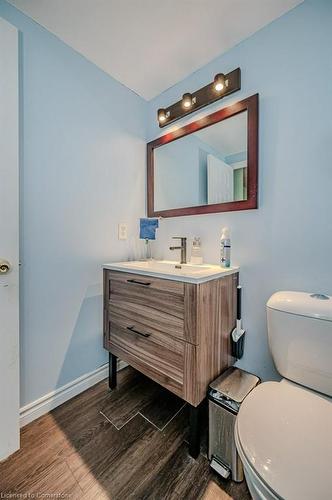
(203, 168)
(207, 166)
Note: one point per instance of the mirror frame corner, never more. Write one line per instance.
(249, 104)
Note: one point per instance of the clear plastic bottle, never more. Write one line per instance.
(196, 251)
(225, 248)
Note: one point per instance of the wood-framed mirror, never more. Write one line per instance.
(207, 166)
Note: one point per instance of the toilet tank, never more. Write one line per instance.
(300, 338)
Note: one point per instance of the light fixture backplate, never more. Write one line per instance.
(203, 97)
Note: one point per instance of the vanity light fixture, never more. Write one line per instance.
(221, 86)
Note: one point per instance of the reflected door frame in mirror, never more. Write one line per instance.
(250, 104)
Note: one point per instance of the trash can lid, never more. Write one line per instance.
(234, 384)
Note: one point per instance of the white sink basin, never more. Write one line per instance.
(173, 270)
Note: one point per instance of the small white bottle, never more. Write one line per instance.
(196, 252)
(225, 248)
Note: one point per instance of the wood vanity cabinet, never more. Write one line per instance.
(175, 333)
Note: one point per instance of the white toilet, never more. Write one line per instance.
(283, 431)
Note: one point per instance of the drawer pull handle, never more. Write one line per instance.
(132, 329)
(145, 283)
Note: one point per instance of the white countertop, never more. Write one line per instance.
(171, 270)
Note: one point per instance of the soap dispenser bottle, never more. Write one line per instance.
(196, 252)
(225, 248)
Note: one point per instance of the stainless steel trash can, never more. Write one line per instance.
(225, 396)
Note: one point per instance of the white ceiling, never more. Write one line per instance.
(149, 45)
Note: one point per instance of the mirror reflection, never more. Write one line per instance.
(206, 167)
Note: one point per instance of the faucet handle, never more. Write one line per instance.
(179, 238)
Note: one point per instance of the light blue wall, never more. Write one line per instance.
(287, 243)
(177, 174)
(82, 172)
(236, 157)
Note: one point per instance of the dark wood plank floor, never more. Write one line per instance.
(126, 444)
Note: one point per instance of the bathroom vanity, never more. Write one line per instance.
(172, 323)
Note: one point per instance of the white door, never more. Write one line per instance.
(220, 180)
(9, 249)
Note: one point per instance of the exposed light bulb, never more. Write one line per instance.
(219, 82)
(161, 115)
(187, 100)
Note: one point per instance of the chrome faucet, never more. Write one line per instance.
(183, 248)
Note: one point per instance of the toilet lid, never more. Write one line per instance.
(285, 432)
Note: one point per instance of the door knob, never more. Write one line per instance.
(5, 266)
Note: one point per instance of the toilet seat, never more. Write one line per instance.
(257, 487)
(284, 433)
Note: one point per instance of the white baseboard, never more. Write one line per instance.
(55, 398)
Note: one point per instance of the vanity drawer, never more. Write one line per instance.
(140, 282)
(154, 353)
(161, 301)
(157, 314)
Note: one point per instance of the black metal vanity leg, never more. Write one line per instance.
(194, 431)
(112, 365)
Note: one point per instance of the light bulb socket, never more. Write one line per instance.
(219, 82)
(187, 100)
(161, 115)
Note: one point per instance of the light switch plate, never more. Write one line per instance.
(122, 231)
